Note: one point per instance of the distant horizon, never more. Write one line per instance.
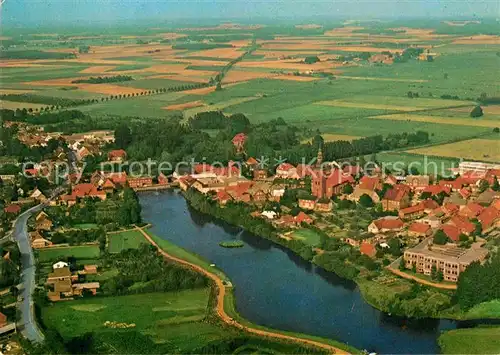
(63, 13)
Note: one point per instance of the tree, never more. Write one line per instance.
(218, 87)
(440, 237)
(477, 111)
(348, 189)
(83, 49)
(366, 201)
(483, 185)
(495, 186)
(496, 130)
(402, 265)
(318, 142)
(433, 272)
(123, 136)
(311, 59)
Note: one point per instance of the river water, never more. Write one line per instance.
(275, 288)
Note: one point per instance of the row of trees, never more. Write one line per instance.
(148, 270)
(103, 79)
(56, 103)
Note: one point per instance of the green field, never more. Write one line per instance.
(171, 321)
(125, 240)
(308, 236)
(471, 341)
(78, 252)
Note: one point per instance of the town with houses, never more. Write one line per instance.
(444, 224)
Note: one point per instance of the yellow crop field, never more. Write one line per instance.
(475, 149)
(438, 119)
(13, 105)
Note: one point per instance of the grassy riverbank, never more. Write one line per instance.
(482, 340)
(229, 301)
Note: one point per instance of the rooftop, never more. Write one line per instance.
(451, 253)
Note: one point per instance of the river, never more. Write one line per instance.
(275, 288)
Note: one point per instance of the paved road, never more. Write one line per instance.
(27, 323)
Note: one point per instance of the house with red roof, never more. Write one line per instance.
(239, 141)
(429, 205)
(453, 185)
(287, 171)
(371, 183)
(417, 182)
(251, 162)
(303, 218)
(185, 182)
(489, 218)
(466, 227)
(385, 224)
(465, 193)
(118, 155)
(396, 198)
(390, 180)
(139, 182)
(304, 170)
(434, 190)
(222, 197)
(471, 210)
(307, 203)
(451, 231)
(327, 184)
(450, 208)
(419, 230)
(368, 249)
(12, 209)
(259, 174)
(412, 212)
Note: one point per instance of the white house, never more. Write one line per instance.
(269, 214)
(59, 265)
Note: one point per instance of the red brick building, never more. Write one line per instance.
(327, 184)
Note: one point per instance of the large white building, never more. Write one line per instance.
(476, 166)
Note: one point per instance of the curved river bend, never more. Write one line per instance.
(275, 288)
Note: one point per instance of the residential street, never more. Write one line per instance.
(27, 323)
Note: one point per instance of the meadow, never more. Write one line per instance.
(481, 340)
(346, 93)
(124, 240)
(78, 252)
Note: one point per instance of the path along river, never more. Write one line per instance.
(275, 288)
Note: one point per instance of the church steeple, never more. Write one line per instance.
(319, 159)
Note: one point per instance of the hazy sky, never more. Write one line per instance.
(67, 11)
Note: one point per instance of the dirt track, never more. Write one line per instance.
(221, 291)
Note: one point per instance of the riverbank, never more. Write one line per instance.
(381, 289)
(225, 300)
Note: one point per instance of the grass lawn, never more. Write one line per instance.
(78, 252)
(174, 319)
(471, 341)
(485, 310)
(125, 240)
(86, 226)
(308, 236)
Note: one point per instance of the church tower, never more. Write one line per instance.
(319, 159)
